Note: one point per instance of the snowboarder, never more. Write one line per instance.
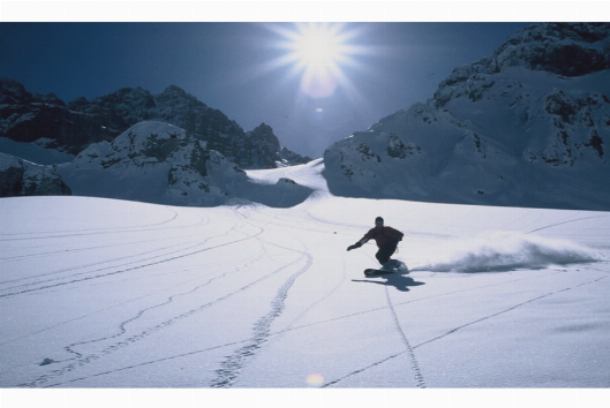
(387, 239)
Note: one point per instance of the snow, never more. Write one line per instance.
(517, 135)
(507, 251)
(157, 162)
(307, 175)
(99, 292)
(34, 152)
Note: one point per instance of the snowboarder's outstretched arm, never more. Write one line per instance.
(359, 243)
(354, 246)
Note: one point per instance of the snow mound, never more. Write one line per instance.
(158, 162)
(505, 251)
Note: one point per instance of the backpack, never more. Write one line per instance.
(394, 234)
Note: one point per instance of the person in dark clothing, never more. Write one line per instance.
(387, 239)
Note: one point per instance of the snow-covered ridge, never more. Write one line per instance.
(157, 162)
(506, 130)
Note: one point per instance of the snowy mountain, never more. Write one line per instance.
(111, 293)
(20, 178)
(528, 126)
(69, 128)
(46, 120)
(157, 162)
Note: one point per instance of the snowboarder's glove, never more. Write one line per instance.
(356, 245)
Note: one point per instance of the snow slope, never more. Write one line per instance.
(528, 126)
(98, 292)
(35, 152)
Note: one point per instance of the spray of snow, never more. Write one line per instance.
(504, 251)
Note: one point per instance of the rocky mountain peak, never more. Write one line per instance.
(563, 49)
(263, 128)
(71, 128)
(12, 92)
(128, 97)
(176, 96)
(263, 133)
(175, 90)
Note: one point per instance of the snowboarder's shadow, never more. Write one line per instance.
(400, 282)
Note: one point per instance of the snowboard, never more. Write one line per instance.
(394, 266)
(369, 272)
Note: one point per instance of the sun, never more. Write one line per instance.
(319, 52)
(318, 48)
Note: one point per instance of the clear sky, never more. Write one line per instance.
(243, 69)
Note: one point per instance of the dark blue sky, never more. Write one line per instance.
(220, 63)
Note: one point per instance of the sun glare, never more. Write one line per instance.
(319, 52)
(318, 48)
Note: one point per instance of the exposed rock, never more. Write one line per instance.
(289, 158)
(22, 178)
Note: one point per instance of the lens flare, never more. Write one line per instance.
(315, 380)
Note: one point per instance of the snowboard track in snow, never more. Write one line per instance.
(26, 257)
(146, 332)
(557, 224)
(366, 227)
(101, 231)
(290, 328)
(232, 365)
(258, 328)
(181, 246)
(419, 378)
(122, 327)
(457, 328)
(104, 309)
(202, 222)
(137, 267)
(287, 330)
(291, 224)
(94, 231)
(272, 336)
(84, 360)
(277, 334)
